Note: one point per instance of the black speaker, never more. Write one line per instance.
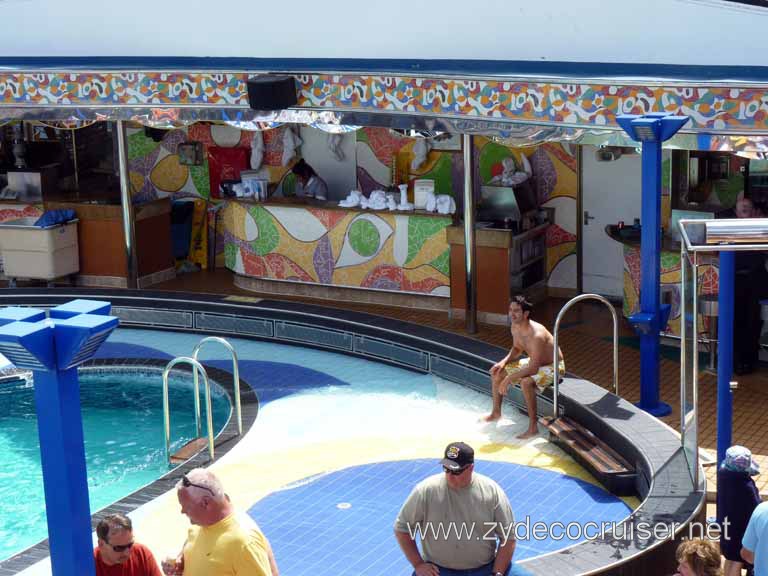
(272, 92)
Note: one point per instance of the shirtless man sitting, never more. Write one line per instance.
(531, 338)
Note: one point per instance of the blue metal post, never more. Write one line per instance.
(53, 348)
(650, 129)
(725, 305)
(62, 453)
(650, 262)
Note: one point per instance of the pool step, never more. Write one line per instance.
(188, 450)
(607, 465)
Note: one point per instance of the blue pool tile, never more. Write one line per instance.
(342, 522)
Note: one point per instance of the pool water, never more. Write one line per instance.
(124, 443)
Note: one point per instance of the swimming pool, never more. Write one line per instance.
(124, 443)
(261, 464)
(340, 441)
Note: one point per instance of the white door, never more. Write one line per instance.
(611, 191)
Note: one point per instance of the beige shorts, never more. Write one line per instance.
(543, 378)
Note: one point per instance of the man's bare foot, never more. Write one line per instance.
(528, 434)
(491, 417)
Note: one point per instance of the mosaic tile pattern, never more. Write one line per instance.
(342, 248)
(670, 282)
(576, 103)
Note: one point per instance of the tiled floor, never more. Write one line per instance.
(586, 343)
(348, 506)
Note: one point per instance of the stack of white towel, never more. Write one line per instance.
(380, 200)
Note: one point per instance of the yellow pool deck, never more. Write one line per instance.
(262, 462)
(258, 466)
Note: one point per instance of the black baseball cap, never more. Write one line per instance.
(458, 456)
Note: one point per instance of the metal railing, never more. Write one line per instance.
(235, 375)
(556, 356)
(196, 366)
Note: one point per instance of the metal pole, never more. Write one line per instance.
(683, 343)
(579, 220)
(470, 253)
(725, 306)
(74, 159)
(129, 231)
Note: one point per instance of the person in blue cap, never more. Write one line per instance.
(737, 497)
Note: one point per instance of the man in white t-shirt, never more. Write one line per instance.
(463, 519)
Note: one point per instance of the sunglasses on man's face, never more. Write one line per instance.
(455, 472)
(187, 483)
(121, 547)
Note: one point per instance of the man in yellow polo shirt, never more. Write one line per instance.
(221, 543)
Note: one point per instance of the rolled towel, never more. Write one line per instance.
(431, 203)
(446, 204)
(377, 203)
(352, 199)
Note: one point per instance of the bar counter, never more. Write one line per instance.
(670, 276)
(102, 242)
(320, 243)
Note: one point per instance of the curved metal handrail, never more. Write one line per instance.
(235, 374)
(196, 366)
(556, 359)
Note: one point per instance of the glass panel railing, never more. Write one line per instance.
(689, 360)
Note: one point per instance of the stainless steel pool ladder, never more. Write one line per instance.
(196, 366)
(556, 359)
(235, 375)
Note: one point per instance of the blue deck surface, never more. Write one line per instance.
(341, 523)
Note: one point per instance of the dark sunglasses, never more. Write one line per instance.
(187, 483)
(121, 547)
(455, 472)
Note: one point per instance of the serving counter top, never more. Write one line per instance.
(630, 236)
(309, 203)
(93, 211)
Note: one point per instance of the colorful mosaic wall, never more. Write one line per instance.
(383, 156)
(711, 108)
(670, 284)
(338, 247)
(155, 169)
(382, 153)
(554, 179)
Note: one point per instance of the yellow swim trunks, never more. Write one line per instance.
(543, 378)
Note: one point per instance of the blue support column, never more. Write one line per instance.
(62, 453)
(53, 348)
(651, 130)
(725, 304)
(650, 262)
